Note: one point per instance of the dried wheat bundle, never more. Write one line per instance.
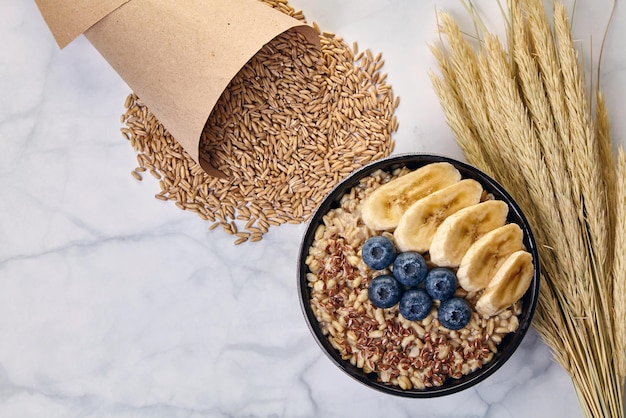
(521, 111)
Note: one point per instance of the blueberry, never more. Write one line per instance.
(384, 291)
(378, 252)
(415, 304)
(410, 268)
(441, 283)
(454, 313)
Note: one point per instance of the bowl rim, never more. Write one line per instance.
(510, 343)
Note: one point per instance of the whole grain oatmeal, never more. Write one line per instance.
(293, 123)
(408, 354)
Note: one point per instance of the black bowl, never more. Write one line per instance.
(509, 343)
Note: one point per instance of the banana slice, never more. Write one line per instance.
(483, 258)
(508, 285)
(419, 223)
(461, 229)
(385, 205)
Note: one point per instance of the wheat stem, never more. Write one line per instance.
(619, 264)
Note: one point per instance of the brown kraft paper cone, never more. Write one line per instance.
(178, 56)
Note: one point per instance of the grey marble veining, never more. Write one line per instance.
(115, 304)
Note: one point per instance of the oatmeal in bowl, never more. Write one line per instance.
(418, 275)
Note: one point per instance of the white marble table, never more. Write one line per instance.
(115, 304)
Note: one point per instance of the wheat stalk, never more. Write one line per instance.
(619, 264)
(456, 116)
(525, 117)
(537, 103)
(586, 160)
(461, 78)
(583, 159)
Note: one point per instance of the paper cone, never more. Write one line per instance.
(178, 56)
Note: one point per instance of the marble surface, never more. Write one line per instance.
(115, 304)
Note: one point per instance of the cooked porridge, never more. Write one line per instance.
(408, 354)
